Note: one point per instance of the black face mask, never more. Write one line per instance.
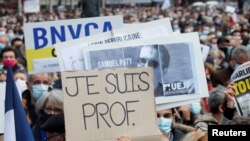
(45, 117)
(20, 32)
(224, 49)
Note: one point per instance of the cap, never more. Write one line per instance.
(54, 124)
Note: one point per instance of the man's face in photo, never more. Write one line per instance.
(148, 57)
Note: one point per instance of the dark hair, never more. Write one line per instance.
(245, 41)
(15, 39)
(222, 40)
(23, 72)
(164, 56)
(7, 49)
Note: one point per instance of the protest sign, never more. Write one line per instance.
(2, 99)
(177, 61)
(40, 37)
(109, 103)
(241, 81)
(31, 6)
(70, 55)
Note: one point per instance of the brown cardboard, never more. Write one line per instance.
(1, 138)
(97, 110)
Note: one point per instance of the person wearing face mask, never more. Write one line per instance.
(50, 104)
(55, 128)
(21, 80)
(165, 121)
(239, 55)
(39, 85)
(3, 42)
(205, 31)
(195, 109)
(222, 44)
(8, 57)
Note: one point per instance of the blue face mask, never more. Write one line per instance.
(205, 32)
(1, 46)
(38, 90)
(164, 124)
(229, 48)
(195, 108)
(248, 46)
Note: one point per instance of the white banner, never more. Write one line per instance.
(31, 6)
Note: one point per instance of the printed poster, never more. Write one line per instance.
(70, 55)
(177, 61)
(241, 81)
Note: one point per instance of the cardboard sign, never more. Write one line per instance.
(241, 81)
(31, 6)
(177, 61)
(70, 55)
(105, 104)
(40, 37)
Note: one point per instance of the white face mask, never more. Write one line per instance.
(214, 47)
(219, 34)
(21, 86)
(11, 35)
(2, 84)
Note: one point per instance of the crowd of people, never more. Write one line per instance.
(226, 34)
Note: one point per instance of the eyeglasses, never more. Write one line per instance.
(52, 111)
(49, 138)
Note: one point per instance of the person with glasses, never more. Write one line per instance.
(48, 105)
(54, 128)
